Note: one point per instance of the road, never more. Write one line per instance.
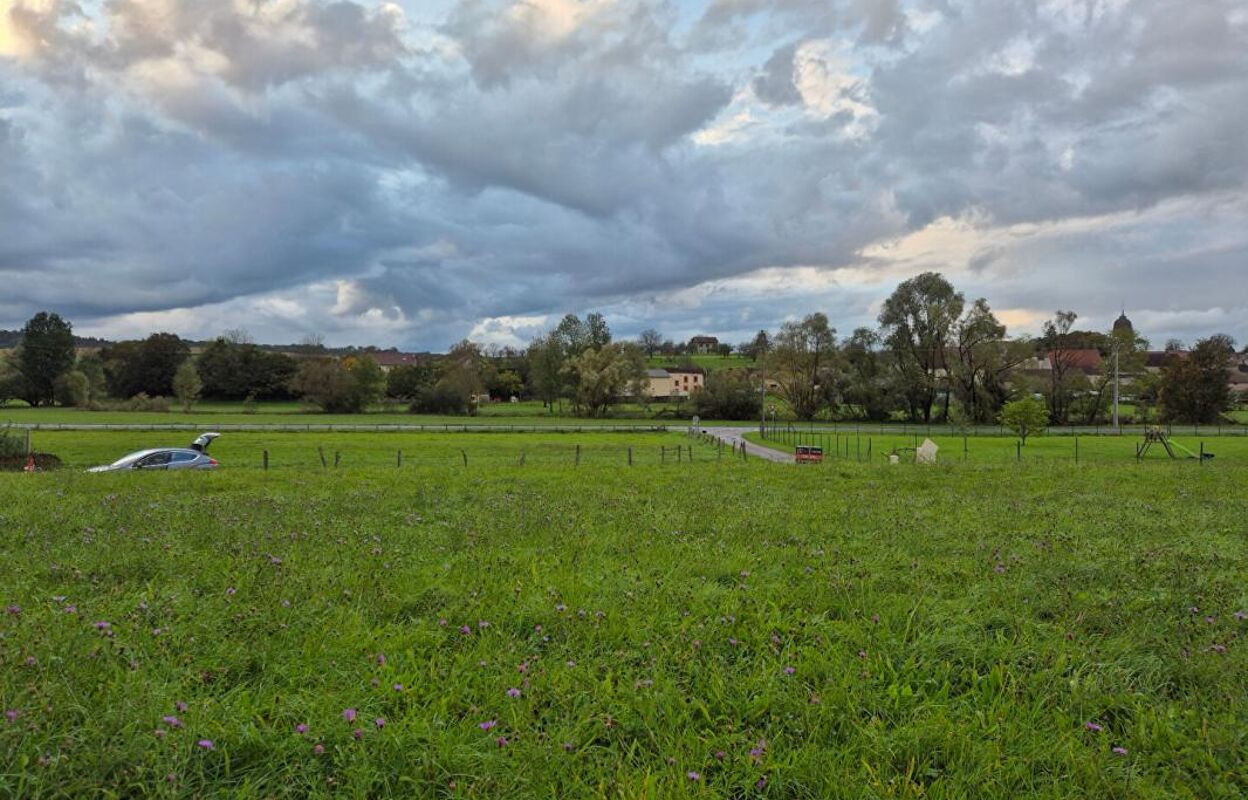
(736, 436)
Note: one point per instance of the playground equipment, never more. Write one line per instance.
(1156, 435)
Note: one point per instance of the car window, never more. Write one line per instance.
(155, 460)
(182, 458)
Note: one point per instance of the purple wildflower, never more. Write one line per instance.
(380, 722)
(442, 623)
(761, 784)
(102, 625)
(513, 692)
(70, 609)
(180, 706)
(172, 721)
(693, 776)
(756, 752)
(15, 610)
(274, 560)
(1092, 726)
(12, 714)
(206, 744)
(862, 653)
(483, 624)
(358, 733)
(398, 687)
(567, 747)
(301, 729)
(790, 670)
(488, 724)
(561, 608)
(381, 659)
(465, 630)
(1122, 751)
(349, 714)
(230, 590)
(502, 741)
(318, 748)
(720, 755)
(1241, 615)
(1220, 649)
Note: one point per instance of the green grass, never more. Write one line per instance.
(951, 631)
(1002, 449)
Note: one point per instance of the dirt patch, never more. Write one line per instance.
(43, 461)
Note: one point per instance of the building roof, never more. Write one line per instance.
(1123, 324)
(704, 340)
(686, 371)
(657, 373)
(1085, 359)
(390, 358)
(1156, 359)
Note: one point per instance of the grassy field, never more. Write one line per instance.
(715, 629)
(1003, 449)
(303, 450)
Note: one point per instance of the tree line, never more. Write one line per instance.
(933, 357)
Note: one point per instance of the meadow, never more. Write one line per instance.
(705, 629)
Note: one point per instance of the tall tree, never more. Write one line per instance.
(801, 360)
(976, 376)
(650, 340)
(599, 334)
(144, 367)
(917, 321)
(45, 354)
(545, 356)
(187, 385)
(605, 375)
(1061, 345)
(866, 387)
(1195, 388)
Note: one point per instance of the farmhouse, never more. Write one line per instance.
(704, 345)
(674, 382)
(389, 359)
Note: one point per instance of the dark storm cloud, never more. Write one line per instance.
(531, 158)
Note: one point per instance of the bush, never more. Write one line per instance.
(728, 396)
(11, 444)
(444, 397)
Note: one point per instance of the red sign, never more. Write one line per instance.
(809, 454)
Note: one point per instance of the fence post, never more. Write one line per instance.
(464, 453)
(337, 458)
(398, 458)
(321, 452)
(1076, 448)
(679, 451)
(1202, 454)
(868, 449)
(522, 458)
(266, 459)
(663, 454)
(578, 455)
(630, 456)
(1018, 447)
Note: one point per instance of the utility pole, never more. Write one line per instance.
(1116, 343)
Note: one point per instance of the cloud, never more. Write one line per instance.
(411, 175)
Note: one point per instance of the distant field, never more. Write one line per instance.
(715, 629)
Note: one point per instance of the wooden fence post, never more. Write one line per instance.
(663, 454)
(321, 452)
(464, 453)
(578, 455)
(630, 456)
(398, 458)
(337, 458)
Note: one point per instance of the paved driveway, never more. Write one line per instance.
(735, 436)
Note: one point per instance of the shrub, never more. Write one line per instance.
(444, 397)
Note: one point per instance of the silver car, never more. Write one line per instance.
(193, 457)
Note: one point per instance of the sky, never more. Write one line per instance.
(409, 174)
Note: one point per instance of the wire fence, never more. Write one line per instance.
(931, 430)
(334, 427)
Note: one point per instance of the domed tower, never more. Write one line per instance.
(1123, 326)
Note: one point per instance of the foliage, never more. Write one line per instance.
(73, 389)
(917, 322)
(346, 386)
(757, 348)
(187, 385)
(650, 341)
(728, 394)
(545, 356)
(866, 383)
(46, 353)
(232, 368)
(11, 382)
(146, 366)
(1026, 416)
(801, 361)
(444, 397)
(1195, 387)
(408, 380)
(981, 371)
(605, 375)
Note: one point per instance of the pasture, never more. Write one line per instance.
(705, 629)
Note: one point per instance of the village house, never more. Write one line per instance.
(389, 359)
(674, 382)
(704, 345)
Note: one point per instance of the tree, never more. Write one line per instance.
(545, 357)
(917, 320)
(984, 361)
(650, 341)
(1132, 353)
(346, 386)
(724, 350)
(606, 374)
(232, 370)
(505, 384)
(757, 348)
(407, 381)
(145, 367)
(866, 385)
(801, 360)
(598, 334)
(187, 385)
(45, 354)
(728, 394)
(1195, 388)
(1061, 345)
(1024, 416)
